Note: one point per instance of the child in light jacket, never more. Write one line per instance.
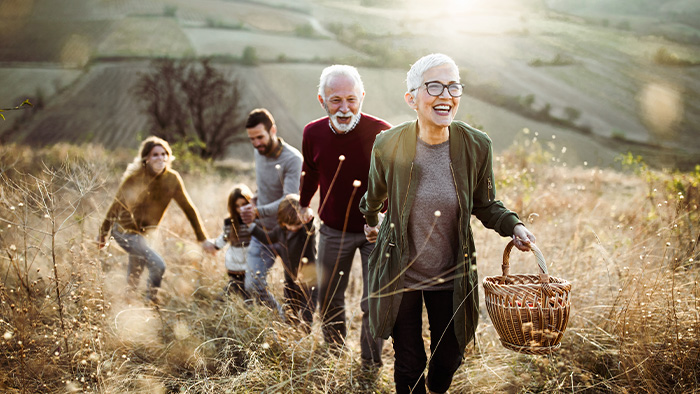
(236, 235)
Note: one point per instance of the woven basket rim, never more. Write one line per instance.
(493, 281)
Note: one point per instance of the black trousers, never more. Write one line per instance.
(300, 297)
(409, 350)
(236, 284)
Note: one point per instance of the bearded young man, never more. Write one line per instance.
(336, 151)
(277, 172)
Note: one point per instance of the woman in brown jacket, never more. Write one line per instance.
(148, 185)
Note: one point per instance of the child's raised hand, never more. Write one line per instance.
(209, 247)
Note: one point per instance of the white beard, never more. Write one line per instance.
(344, 128)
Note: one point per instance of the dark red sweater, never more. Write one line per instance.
(322, 148)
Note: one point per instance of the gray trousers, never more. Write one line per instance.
(336, 251)
(140, 255)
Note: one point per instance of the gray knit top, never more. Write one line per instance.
(433, 239)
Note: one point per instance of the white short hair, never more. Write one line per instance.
(335, 70)
(414, 77)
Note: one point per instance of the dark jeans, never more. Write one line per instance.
(236, 284)
(300, 298)
(336, 250)
(409, 354)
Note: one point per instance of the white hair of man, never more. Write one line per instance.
(414, 76)
(335, 70)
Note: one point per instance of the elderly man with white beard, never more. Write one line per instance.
(337, 150)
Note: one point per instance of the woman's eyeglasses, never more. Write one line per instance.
(436, 88)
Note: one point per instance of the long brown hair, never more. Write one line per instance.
(239, 191)
(147, 145)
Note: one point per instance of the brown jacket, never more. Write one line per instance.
(141, 202)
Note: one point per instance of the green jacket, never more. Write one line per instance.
(390, 174)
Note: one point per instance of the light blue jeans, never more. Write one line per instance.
(140, 255)
(261, 258)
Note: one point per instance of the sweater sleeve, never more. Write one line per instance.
(290, 179)
(373, 200)
(110, 217)
(184, 201)
(491, 212)
(310, 175)
(269, 236)
(118, 205)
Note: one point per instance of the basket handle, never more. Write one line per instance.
(544, 275)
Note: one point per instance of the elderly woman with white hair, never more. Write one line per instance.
(435, 173)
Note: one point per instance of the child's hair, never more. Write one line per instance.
(239, 191)
(288, 210)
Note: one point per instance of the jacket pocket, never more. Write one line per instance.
(384, 269)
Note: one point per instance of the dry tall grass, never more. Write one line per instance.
(627, 242)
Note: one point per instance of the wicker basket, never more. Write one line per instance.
(529, 312)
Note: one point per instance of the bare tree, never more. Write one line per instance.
(192, 101)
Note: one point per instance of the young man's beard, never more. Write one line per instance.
(265, 149)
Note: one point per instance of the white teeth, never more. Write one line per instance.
(442, 107)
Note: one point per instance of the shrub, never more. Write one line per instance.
(250, 56)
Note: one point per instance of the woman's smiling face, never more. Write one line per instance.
(157, 159)
(435, 111)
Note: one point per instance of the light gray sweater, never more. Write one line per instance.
(276, 176)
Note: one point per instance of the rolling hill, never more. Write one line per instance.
(591, 88)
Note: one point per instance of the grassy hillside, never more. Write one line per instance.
(601, 87)
(627, 241)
